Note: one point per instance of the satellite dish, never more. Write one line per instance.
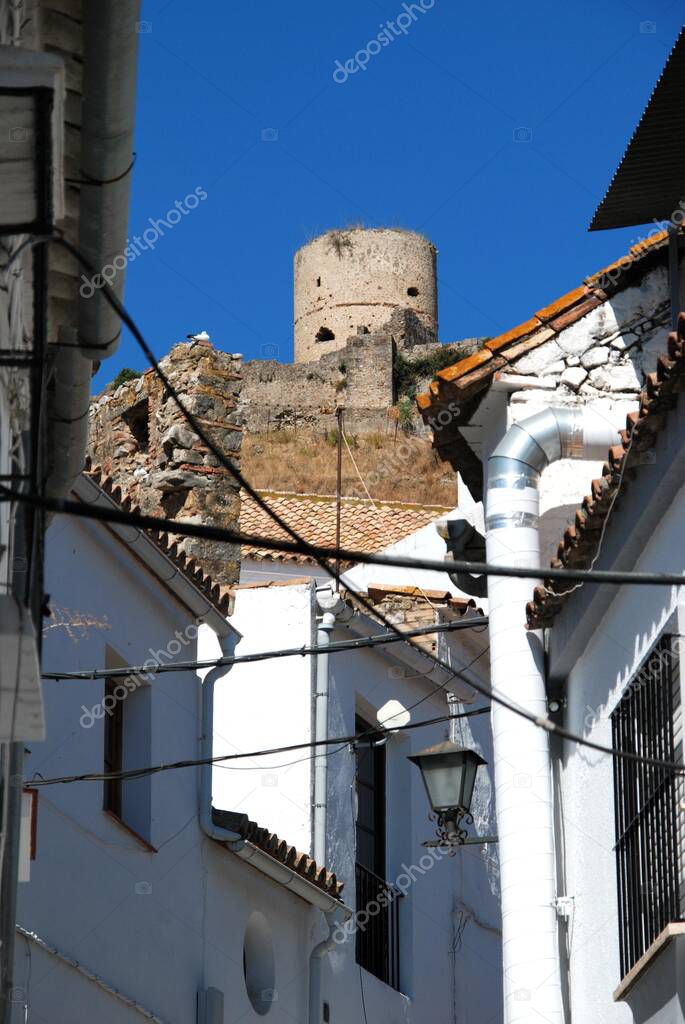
(392, 716)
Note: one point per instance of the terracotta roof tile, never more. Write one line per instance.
(219, 596)
(572, 298)
(281, 851)
(414, 606)
(364, 525)
(579, 544)
(472, 375)
(522, 331)
(464, 366)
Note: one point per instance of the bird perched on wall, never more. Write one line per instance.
(202, 336)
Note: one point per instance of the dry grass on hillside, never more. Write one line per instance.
(402, 469)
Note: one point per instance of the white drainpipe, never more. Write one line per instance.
(332, 607)
(316, 958)
(333, 910)
(525, 821)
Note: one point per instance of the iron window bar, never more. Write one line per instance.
(649, 832)
(378, 935)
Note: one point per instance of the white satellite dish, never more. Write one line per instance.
(392, 716)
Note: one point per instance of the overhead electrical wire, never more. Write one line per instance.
(136, 773)
(335, 647)
(319, 554)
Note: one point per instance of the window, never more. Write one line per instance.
(114, 731)
(377, 940)
(137, 420)
(649, 833)
(325, 334)
(127, 706)
(412, 292)
(370, 773)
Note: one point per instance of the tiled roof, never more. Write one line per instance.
(371, 526)
(580, 541)
(220, 597)
(413, 607)
(465, 380)
(277, 848)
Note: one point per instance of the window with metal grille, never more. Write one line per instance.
(649, 830)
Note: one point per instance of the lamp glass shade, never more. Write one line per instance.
(449, 775)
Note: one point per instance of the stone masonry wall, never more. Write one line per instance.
(359, 276)
(600, 361)
(358, 377)
(139, 437)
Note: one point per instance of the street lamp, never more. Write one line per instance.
(449, 775)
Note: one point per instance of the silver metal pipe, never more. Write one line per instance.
(109, 93)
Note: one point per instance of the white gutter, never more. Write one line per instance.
(316, 959)
(331, 606)
(251, 854)
(243, 848)
(81, 969)
(110, 56)
(525, 813)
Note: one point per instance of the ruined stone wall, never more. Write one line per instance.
(141, 440)
(358, 377)
(292, 395)
(359, 277)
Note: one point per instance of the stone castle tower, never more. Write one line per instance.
(357, 278)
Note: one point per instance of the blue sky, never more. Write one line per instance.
(493, 128)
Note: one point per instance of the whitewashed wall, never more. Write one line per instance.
(622, 638)
(450, 915)
(155, 926)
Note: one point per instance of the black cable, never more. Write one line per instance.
(99, 182)
(597, 576)
(336, 647)
(317, 552)
(136, 773)
(361, 986)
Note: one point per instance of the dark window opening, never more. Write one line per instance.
(137, 420)
(318, 282)
(649, 829)
(413, 292)
(127, 723)
(370, 777)
(173, 502)
(114, 748)
(325, 334)
(377, 943)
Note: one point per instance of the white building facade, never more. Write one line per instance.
(129, 911)
(435, 952)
